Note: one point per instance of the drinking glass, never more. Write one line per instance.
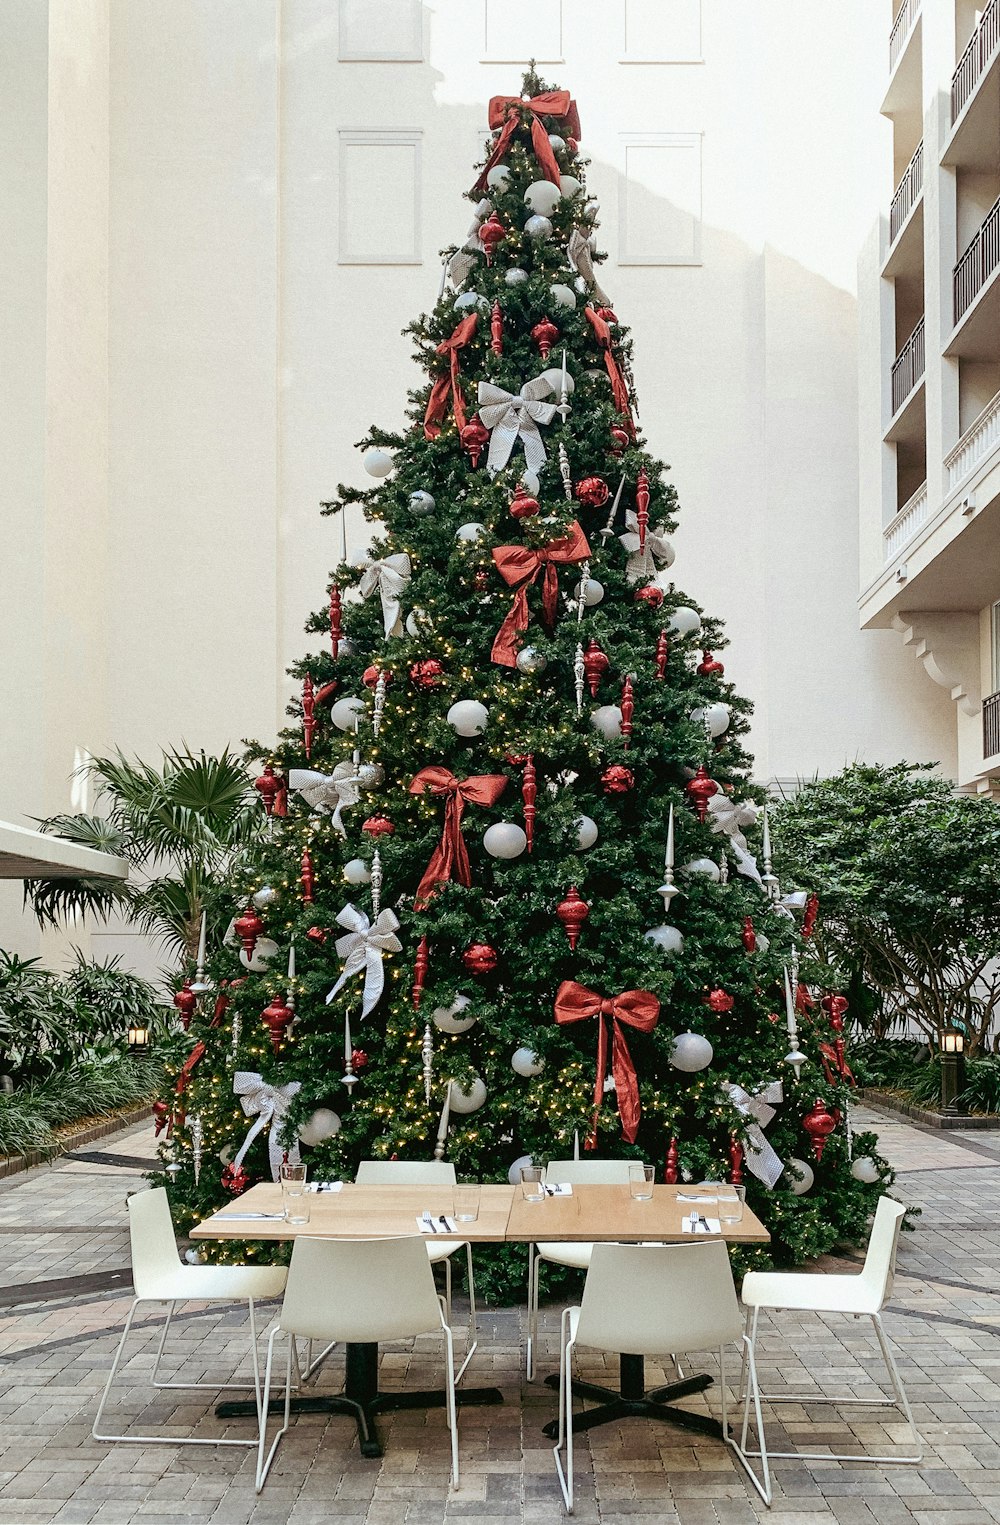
(731, 1200)
(532, 1188)
(294, 1199)
(466, 1199)
(640, 1181)
(707, 1193)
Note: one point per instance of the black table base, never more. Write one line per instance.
(362, 1400)
(633, 1401)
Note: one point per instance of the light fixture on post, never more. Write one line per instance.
(138, 1038)
(952, 1068)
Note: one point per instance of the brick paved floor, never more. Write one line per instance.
(58, 1334)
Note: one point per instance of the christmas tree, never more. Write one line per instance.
(514, 851)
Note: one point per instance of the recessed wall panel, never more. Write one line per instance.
(386, 31)
(379, 197)
(660, 200)
(518, 30)
(662, 31)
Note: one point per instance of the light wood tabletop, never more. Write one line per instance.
(593, 1214)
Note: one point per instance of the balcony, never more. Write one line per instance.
(975, 294)
(906, 193)
(978, 441)
(901, 28)
(973, 62)
(910, 518)
(907, 371)
(991, 726)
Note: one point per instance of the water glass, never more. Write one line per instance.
(532, 1188)
(707, 1193)
(294, 1198)
(731, 1200)
(466, 1199)
(640, 1181)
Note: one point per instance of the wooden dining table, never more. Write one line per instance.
(592, 1214)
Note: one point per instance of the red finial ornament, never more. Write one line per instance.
(708, 666)
(529, 793)
(835, 1007)
(248, 928)
(378, 826)
(595, 665)
(573, 912)
(670, 1168)
(474, 437)
(268, 786)
(662, 653)
(735, 1161)
(819, 1123)
(627, 708)
(161, 1117)
(306, 877)
(276, 1018)
(186, 1002)
(592, 491)
(700, 790)
(522, 505)
(336, 629)
(421, 964)
(720, 1001)
(748, 936)
(642, 509)
(308, 713)
(492, 233)
(617, 779)
(545, 335)
(809, 919)
(496, 329)
(479, 958)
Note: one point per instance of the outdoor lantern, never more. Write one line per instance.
(138, 1038)
(952, 1041)
(952, 1068)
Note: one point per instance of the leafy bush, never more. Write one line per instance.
(911, 1070)
(29, 1116)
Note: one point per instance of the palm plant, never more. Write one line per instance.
(180, 827)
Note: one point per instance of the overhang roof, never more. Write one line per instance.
(26, 854)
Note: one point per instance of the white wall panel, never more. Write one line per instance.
(518, 30)
(662, 31)
(659, 200)
(379, 197)
(381, 31)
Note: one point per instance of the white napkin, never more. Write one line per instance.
(325, 1186)
(439, 1225)
(714, 1226)
(683, 1196)
(558, 1189)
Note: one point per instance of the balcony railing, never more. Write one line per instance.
(905, 18)
(982, 436)
(975, 58)
(978, 262)
(900, 530)
(991, 725)
(910, 185)
(908, 367)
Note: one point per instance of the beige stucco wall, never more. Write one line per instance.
(193, 363)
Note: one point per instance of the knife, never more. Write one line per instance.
(444, 1224)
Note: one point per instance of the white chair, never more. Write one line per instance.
(439, 1251)
(357, 1291)
(864, 1294)
(658, 1300)
(159, 1277)
(575, 1173)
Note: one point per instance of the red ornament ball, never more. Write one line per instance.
(620, 437)
(480, 958)
(378, 826)
(427, 674)
(593, 491)
(617, 779)
(523, 505)
(481, 581)
(358, 1059)
(650, 595)
(371, 675)
(720, 1001)
(317, 934)
(235, 1179)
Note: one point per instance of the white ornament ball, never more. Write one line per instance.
(498, 177)
(226, 1155)
(685, 621)
(377, 463)
(556, 142)
(667, 939)
(421, 503)
(524, 1061)
(450, 1019)
(468, 717)
(702, 866)
(264, 950)
(691, 1052)
(563, 296)
(515, 275)
(717, 718)
(593, 594)
(370, 775)
(800, 1176)
(357, 871)
(504, 839)
(264, 897)
(538, 228)
(586, 831)
(192, 1257)
(416, 622)
(467, 1097)
(321, 1125)
(607, 720)
(345, 711)
(529, 479)
(542, 196)
(569, 185)
(530, 660)
(522, 1162)
(471, 531)
(466, 300)
(865, 1169)
(554, 377)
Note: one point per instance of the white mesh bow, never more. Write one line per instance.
(580, 257)
(363, 948)
(268, 1104)
(388, 577)
(728, 817)
(328, 791)
(510, 417)
(658, 553)
(761, 1160)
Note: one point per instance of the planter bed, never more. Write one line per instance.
(71, 1135)
(896, 1103)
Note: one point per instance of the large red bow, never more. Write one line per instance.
(450, 859)
(834, 1062)
(437, 402)
(602, 334)
(519, 567)
(633, 1008)
(505, 113)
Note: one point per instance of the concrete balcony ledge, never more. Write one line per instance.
(26, 854)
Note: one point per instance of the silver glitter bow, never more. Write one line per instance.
(512, 416)
(363, 948)
(580, 256)
(642, 565)
(328, 791)
(388, 578)
(728, 818)
(268, 1104)
(761, 1159)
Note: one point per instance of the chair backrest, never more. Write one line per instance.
(657, 1299)
(360, 1290)
(154, 1248)
(405, 1173)
(880, 1260)
(588, 1172)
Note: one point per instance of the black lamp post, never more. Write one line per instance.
(138, 1038)
(952, 1068)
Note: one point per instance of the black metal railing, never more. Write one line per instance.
(977, 55)
(978, 262)
(991, 725)
(908, 367)
(910, 185)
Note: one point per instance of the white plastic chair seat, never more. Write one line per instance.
(214, 1284)
(440, 1249)
(576, 1255)
(819, 1293)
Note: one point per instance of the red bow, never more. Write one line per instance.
(834, 1062)
(437, 402)
(505, 113)
(602, 334)
(184, 1075)
(519, 567)
(634, 1008)
(450, 859)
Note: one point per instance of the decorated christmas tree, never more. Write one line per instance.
(516, 895)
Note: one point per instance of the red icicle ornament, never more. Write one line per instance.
(248, 928)
(529, 793)
(670, 1167)
(276, 1018)
(475, 437)
(748, 936)
(306, 877)
(735, 1161)
(336, 629)
(708, 666)
(186, 1002)
(700, 790)
(573, 912)
(492, 233)
(308, 713)
(642, 509)
(421, 964)
(595, 665)
(819, 1123)
(522, 505)
(627, 708)
(268, 786)
(496, 329)
(662, 653)
(545, 335)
